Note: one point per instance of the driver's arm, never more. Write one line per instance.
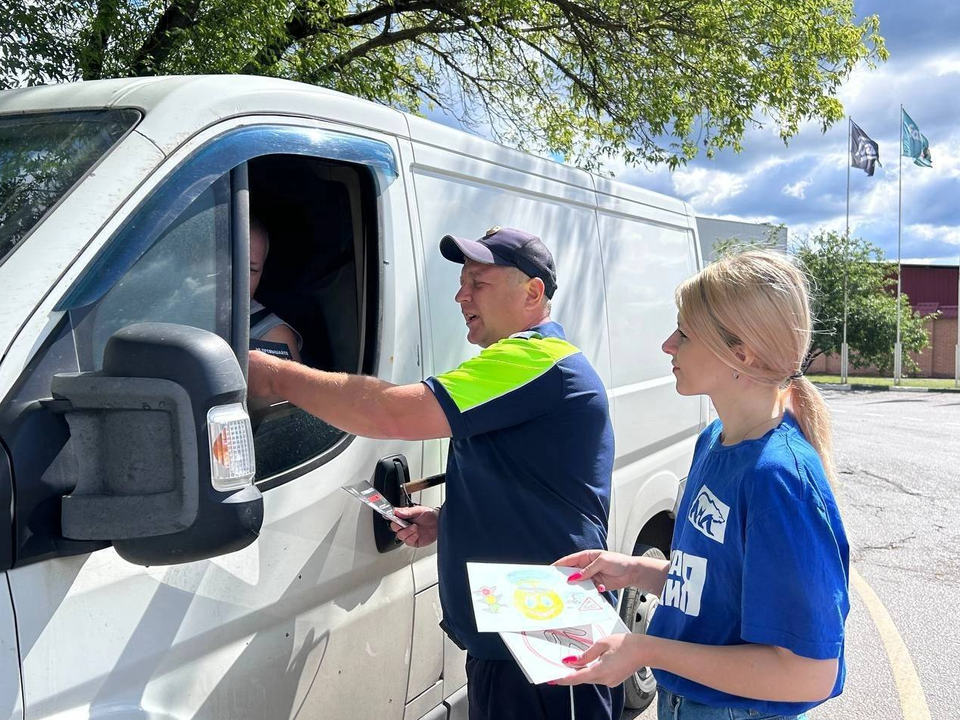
(357, 404)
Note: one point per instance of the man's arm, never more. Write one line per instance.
(284, 334)
(356, 404)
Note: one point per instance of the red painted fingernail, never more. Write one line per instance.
(570, 659)
(551, 682)
(602, 588)
(575, 577)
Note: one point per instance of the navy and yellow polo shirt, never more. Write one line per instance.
(528, 474)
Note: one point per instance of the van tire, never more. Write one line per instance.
(635, 611)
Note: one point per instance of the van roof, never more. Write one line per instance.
(177, 107)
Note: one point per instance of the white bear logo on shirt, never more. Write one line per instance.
(709, 515)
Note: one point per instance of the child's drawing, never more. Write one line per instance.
(540, 653)
(488, 599)
(532, 596)
(513, 598)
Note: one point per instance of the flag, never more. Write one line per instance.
(864, 152)
(914, 142)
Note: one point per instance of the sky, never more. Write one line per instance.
(803, 184)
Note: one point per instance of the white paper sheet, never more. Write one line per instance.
(540, 653)
(515, 598)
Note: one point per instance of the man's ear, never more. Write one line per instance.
(535, 292)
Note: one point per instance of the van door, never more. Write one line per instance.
(11, 705)
(312, 620)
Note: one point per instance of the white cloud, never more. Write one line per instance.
(946, 65)
(797, 189)
(946, 233)
(708, 188)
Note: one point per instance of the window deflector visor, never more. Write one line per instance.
(199, 171)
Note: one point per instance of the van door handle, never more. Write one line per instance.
(389, 477)
(428, 482)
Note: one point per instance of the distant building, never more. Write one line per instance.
(931, 289)
(712, 230)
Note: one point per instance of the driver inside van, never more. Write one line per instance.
(530, 460)
(268, 333)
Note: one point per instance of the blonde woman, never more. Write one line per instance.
(755, 594)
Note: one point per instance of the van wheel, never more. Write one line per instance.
(636, 610)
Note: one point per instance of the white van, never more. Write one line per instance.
(145, 574)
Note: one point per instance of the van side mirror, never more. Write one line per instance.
(165, 450)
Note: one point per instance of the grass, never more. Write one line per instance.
(905, 382)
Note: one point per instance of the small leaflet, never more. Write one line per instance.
(369, 495)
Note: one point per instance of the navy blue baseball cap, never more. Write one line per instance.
(507, 247)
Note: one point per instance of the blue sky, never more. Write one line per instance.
(803, 184)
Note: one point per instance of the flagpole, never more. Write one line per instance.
(897, 353)
(844, 351)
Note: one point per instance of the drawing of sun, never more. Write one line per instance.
(537, 603)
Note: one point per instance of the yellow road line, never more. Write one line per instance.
(912, 700)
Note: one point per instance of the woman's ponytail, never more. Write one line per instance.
(807, 406)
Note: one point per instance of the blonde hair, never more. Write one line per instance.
(760, 300)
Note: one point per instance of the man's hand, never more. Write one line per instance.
(262, 368)
(423, 525)
(617, 656)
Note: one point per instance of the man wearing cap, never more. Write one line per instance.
(530, 461)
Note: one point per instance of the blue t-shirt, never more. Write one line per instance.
(759, 555)
(529, 468)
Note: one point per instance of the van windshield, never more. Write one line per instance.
(42, 156)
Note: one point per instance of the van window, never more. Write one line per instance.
(42, 156)
(320, 278)
(183, 278)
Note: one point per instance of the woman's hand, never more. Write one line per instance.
(617, 656)
(608, 570)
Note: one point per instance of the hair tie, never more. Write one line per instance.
(796, 375)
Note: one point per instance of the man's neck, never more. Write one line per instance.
(541, 321)
(525, 328)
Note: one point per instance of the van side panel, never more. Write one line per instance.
(11, 699)
(646, 254)
(465, 196)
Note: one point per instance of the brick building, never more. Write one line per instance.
(931, 288)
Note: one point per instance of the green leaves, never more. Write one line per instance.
(657, 81)
(871, 302)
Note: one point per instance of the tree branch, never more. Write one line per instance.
(388, 38)
(179, 15)
(299, 28)
(91, 55)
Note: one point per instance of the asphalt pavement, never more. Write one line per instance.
(898, 459)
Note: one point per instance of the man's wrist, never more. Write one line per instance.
(276, 377)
